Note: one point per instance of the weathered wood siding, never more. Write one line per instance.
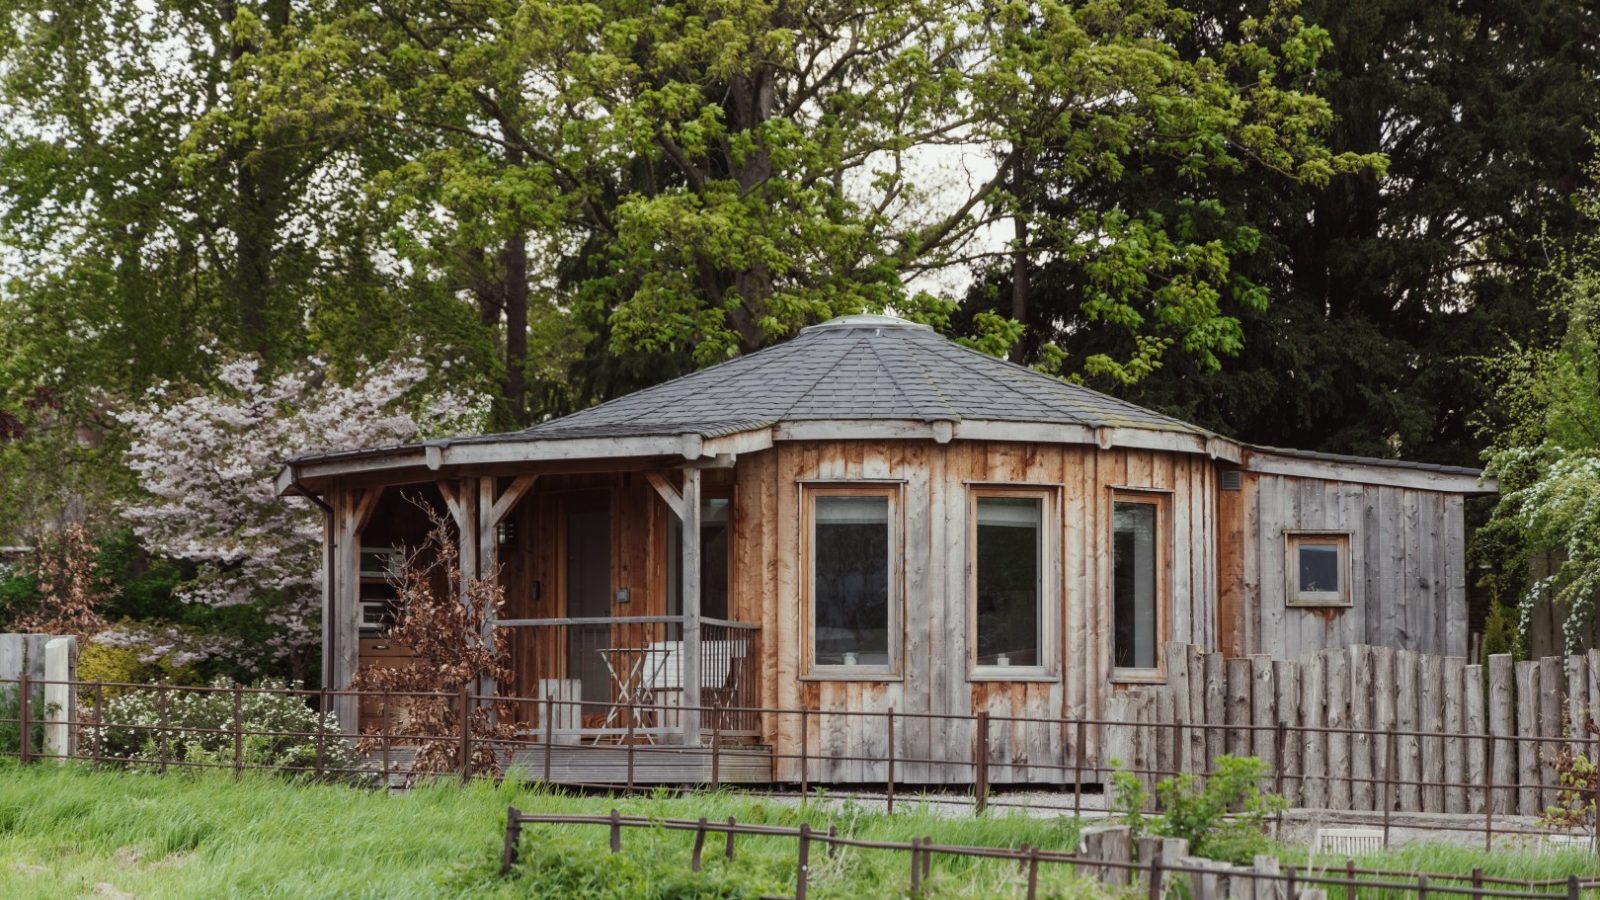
(1407, 563)
(936, 480)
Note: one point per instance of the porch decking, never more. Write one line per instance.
(609, 765)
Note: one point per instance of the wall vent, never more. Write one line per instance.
(1231, 479)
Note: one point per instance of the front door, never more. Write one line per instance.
(588, 579)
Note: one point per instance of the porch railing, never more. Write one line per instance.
(622, 677)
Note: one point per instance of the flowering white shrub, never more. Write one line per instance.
(279, 730)
(206, 463)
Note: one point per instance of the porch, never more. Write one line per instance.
(636, 680)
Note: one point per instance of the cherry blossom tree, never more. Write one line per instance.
(205, 463)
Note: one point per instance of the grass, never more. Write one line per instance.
(72, 831)
(68, 832)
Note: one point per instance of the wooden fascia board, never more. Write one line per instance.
(1368, 473)
(1024, 432)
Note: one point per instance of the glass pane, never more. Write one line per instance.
(1319, 568)
(1007, 559)
(1133, 579)
(714, 565)
(850, 568)
(714, 558)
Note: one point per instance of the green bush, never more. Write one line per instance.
(280, 730)
(1224, 818)
(124, 665)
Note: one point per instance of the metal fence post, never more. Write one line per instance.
(100, 721)
(1077, 771)
(980, 752)
(804, 767)
(1488, 793)
(24, 718)
(616, 831)
(322, 709)
(1388, 785)
(162, 747)
(464, 752)
(549, 732)
(1280, 740)
(716, 753)
(1155, 878)
(238, 731)
(889, 782)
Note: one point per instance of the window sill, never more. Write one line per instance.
(1314, 603)
(1024, 675)
(852, 675)
(1138, 676)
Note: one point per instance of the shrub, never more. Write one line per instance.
(280, 730)
(1224, 818)
(127, 665)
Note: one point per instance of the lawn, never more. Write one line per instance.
(71, 832)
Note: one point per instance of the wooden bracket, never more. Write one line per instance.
(670, 494)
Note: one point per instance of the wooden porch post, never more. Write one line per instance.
(492, 510)
(352, 508)
(691, 607)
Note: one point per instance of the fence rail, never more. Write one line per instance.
(1154, 872)
(533, 748)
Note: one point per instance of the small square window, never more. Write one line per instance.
(1318, 569)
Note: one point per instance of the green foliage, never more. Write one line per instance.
(126, 665)
(136, 728)
(11, 720)
(1223, 816)
(1349, 315)
(1545, 450)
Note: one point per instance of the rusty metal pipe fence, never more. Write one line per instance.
(729, 728)
(1154, 873)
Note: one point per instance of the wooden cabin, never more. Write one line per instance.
(871, 516)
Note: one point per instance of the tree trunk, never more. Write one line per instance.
(514, 269)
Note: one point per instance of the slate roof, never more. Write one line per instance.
(855, 368)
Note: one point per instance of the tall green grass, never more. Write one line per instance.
(70, 831)
(65, 831)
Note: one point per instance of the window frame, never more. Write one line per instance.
(1049, 583)
(892, 491)
(1162, 501)
(1293, 597)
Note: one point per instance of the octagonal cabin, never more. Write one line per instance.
(870, 516)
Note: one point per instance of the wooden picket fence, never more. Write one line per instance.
(1337, 725)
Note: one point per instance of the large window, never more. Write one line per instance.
(1009, 584)
(714, 559)
(1137, 592)
(1318, 569)
(852, 579)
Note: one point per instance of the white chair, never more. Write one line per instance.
(1347, 843)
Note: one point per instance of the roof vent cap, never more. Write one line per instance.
(866, 320)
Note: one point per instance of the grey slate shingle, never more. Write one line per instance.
(854, 368)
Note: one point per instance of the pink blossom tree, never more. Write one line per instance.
(205, 463)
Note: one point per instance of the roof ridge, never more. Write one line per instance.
(820, 376)
(894, 379)
(1061, 383)
(979, 372)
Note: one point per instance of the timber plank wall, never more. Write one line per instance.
(1407, 560)
(1503, 704)
(934, 490)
